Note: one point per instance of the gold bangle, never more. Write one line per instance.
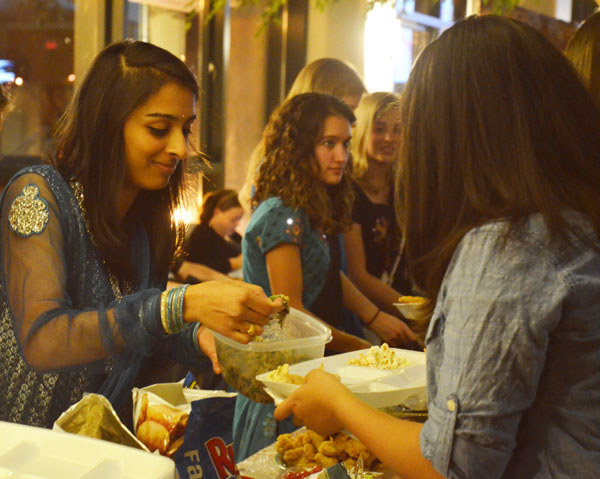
(163, 312)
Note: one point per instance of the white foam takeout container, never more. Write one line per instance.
(28, 452)
(378, 387)
(408, 310)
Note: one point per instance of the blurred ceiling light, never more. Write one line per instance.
(71, 77)
(19, 81)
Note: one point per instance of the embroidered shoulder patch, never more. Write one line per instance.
(28, 212)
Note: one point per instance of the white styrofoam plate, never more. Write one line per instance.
(408, 310)
(377, 387)
(37, 453)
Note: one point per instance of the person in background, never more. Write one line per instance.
(511, 270)
(372, 246)
(325, 75)
(86, 243)
(214, 242)
(303, 202)
(583, 50)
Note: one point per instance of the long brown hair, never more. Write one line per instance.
(325, 75)
(91, 150)
(496, 124)
(289, 170)
(583, 49)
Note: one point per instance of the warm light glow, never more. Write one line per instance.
(183, 215)
(71, 77)
(182, 58)
(18, 81)
(382, 40)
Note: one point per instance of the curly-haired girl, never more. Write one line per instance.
(303, 201)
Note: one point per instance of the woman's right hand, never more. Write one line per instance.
(229, 307)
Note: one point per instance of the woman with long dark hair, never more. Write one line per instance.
(498, 200)
(86, 244)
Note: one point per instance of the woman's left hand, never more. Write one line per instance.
(393, 330)
(311, 407)
(206, 340)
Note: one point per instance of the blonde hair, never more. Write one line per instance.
(325, 75)
(583, 50)
(370, 108)
(328, 75)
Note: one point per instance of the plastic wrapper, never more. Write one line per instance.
(95, 417)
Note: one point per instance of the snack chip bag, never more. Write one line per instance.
(192, 426)
(207, 449)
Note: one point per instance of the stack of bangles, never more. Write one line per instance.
(171, 309)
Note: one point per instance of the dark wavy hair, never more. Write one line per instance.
(496, 125)
(222, 199)
(91, 149)
(289, 170)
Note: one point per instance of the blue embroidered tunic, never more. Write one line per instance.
(271, 225)
(53, 282)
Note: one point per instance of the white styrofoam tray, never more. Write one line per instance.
(378, 387)
(28, 452)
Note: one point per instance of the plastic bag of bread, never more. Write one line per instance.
(192, 426)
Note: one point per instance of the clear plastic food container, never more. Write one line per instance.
(301, 338)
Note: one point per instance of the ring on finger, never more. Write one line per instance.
(252, 330)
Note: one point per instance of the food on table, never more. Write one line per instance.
(299, 338)
(161, 427)
(155, 436)
(411, 300)
(282, 375)
(309, 448)
(380, 357)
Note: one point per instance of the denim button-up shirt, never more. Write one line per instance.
(513, 358)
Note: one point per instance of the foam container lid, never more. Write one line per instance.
(28, 452)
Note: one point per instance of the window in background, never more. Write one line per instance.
(175, 26)
(36, 58)
(396, 34)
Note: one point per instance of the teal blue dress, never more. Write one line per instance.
(271, 225)
(53, 281)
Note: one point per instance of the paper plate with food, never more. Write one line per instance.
(381, 376)
(409, 306)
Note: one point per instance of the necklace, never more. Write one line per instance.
(77, 189)
(376, 193)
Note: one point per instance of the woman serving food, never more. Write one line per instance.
(86, 243)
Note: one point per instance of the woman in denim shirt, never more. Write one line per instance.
(499, 203)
